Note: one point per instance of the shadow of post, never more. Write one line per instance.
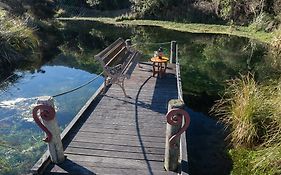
(70, 167)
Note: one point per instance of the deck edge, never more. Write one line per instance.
(45, 160)
(183, 169)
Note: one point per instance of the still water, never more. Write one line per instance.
(207, 61)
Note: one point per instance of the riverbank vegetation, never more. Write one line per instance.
(251, 111)
(255, 19)
(21, 27)
(16, 39)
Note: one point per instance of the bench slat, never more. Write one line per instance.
(117, 58)
(113, 52)
(118, 62)
(103, 53)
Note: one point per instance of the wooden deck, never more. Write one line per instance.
(122, 135)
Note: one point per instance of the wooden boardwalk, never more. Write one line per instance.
(122, 135)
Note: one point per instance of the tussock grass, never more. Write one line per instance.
(252, 112)
(16, 32)
(16, 39)
(241, 109)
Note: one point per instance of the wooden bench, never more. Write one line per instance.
(118, 61)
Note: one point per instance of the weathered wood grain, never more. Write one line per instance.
(123, 135)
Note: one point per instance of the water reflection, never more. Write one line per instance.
(17, 126)
(207, 61)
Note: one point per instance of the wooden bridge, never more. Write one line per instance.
(113, 134)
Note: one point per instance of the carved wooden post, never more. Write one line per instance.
(172, 150)
(45, 108)
(173, 52)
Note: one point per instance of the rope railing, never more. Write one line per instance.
(62, 93)
(79, 87)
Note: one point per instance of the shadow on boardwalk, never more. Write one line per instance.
(207, 150)
(70, 167)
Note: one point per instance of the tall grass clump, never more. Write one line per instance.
(241, 109)
(252, 112)
(17, 40)
(16, 32)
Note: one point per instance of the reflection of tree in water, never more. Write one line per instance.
(207, 63)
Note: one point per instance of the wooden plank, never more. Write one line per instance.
(104, 165)
(92, 136)
(114, 44)
(127, 126)
(44, 161)
(120, 142)
(123, 135)
(109, 162)
(128, 132)
(115, 147)
(114, 154)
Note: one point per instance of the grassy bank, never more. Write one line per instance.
(184, 27)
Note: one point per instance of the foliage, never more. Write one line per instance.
(263, 22)
(252, 112)
(161, 9)
(267, 160)
(243, 109)
(16, 32)
(16, 38)
(275, 50)
(39, 9)
(109, 5)
(260, 161)
(238, 12)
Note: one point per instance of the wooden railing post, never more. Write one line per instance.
(50, 123)
(173, 52)
(172, 151)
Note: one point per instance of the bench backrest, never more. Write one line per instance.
(114, 54)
